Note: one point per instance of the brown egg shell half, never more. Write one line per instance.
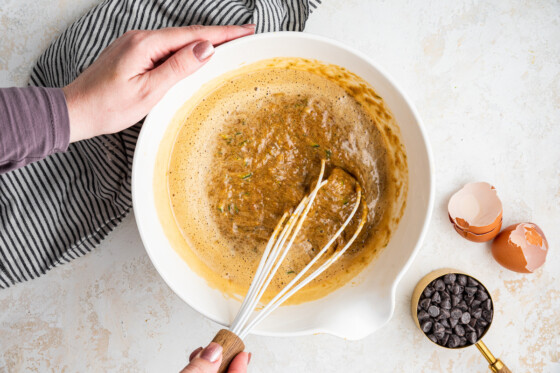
(521, 247)
(487, 198)
(479, 237)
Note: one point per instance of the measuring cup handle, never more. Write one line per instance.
(232, 345)
(499, 367)
(495, 364)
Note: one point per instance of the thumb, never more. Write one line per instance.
(206, 361)
(180, 65)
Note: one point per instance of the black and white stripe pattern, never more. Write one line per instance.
(57, 209)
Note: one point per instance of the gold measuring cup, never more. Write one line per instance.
(495, 364)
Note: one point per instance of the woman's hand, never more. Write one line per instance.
(208, 360)
(135, 71)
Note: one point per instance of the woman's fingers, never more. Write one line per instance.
(175, 38)
(178, 66)
(160, 43)
(207, 360)
(194, 353)
(200, 359)
(239, 363)
(189, 57)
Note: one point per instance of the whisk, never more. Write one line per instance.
(275, 251)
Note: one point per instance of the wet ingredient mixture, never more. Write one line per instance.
(251, 150)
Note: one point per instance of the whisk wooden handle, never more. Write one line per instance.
(231, 344)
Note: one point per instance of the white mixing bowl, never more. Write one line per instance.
(353, 311)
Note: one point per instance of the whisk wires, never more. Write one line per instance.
(275, 252)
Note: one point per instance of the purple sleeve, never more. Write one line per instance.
(34, 123)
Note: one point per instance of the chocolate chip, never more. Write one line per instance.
(432, 338)
(426, 326)
(456, 289)
(433, 311)
(465, 318)
(477, 313)
(445, 323)
(472, 323)
(487, 304)
(459, 330)
(428, 291)
(439, 285)
(481, 323)
(462, 280)
(453, 322)
(480, 332)
(456, 313)
(436, 298)
(471, 281)
(469, 300)
(444, 313)
(444, 339)
(472, 338)
(449, 278)
(455, 300)
(463, 306)
(481, 295)
(422, 315)
(471, 290)
(469, 328)
(446, 304)
(453, 341)
(462, 341)
(439, 335)
(425, 303)
(437, 328)
(487, 315)
(475, 304)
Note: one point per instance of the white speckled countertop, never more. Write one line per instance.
(485, 77)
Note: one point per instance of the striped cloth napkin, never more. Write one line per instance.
(58, 209)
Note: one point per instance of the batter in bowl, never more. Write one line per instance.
(249, 149)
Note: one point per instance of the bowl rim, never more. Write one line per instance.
(431, 170)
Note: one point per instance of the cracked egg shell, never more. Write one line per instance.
(521, 248)
(476, 212)
(485, 237)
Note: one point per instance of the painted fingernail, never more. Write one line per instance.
(249, 358)
(203, 50)
(194, 353)
(249, 26)
(212, 353)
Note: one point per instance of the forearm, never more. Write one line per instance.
(33, 124)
